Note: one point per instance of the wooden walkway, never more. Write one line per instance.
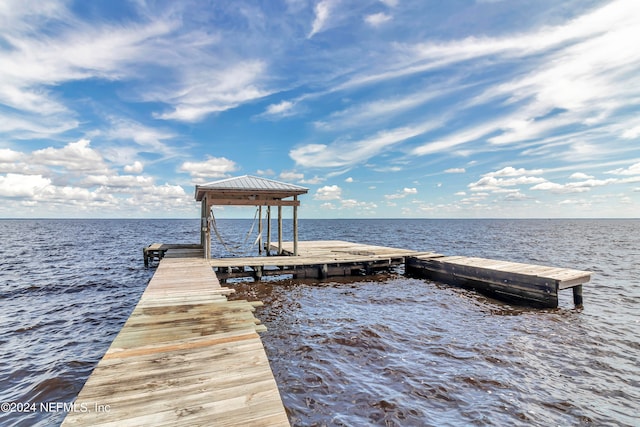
(185, 357)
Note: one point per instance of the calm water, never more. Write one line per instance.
(384, 350)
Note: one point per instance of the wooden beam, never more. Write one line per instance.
(235, 194)
(247, 202)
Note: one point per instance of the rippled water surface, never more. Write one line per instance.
(383, 350)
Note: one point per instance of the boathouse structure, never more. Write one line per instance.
(249, 190)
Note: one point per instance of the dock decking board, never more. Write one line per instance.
(185, 357)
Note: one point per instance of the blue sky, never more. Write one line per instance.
(385, 108)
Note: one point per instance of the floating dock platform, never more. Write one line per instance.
(186, 356)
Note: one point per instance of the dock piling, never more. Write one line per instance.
(577, 296)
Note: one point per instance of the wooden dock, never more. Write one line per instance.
(516, 282)
(511, 281)
(186, 356)
(315, 260)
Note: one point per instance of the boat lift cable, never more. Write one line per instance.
(235, 249)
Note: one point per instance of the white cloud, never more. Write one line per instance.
(74, 157)
(213, 167)
(328, 205)
(349, 179)
(632, 133)
(126, 182)
(282, 109)
(493, 184)
(313, 181)
(322, 14)
(291, 176)
(352, 204)
(573, 187)
(402, 194)
(268, 172)
(328, 192)
(136, 167)
(509, 176)
(18, 185)
(580, 176)
(377, 19)
(455, 170)
(631, 170)
(511, 171)
(12, 161)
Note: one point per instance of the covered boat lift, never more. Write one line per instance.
(249, 190)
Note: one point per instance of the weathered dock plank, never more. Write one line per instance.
(185, 357)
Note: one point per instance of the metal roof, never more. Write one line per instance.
(250, 185)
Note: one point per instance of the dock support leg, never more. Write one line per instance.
(279, 230)
(323, 271)
(268, 247)
(577, 296)
(145, 257)
(295, 227)
(257, 273)
(260, 230)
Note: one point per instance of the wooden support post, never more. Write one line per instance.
(207, 228)
(268, 248)
(203, 216)
(257, 273)
(279, 230)
(260, 229)
(323, 271)
(295, 227)
(577, 296)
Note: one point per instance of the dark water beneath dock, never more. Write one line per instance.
(386, 350)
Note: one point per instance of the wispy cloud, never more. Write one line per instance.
(377, 19)
(347, 153)
(322, 15)
(204, 90)
(33, 63)
(365, 113)
(557, 78)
